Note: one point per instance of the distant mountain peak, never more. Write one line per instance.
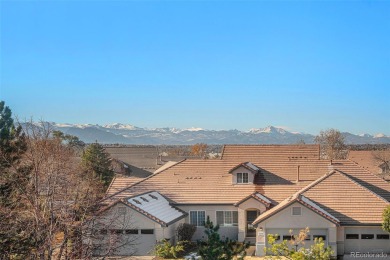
(268, 130)
(130, 134)
(120, 126)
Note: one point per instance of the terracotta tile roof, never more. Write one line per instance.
(347, 199)
(366, 160)
(271, 151)
(209, 182)
(141, 157)
(119, 182)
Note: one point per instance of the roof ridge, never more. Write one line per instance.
(314, 183)
(222, 152)
(112, 181)
(361, 167)
(144, 179)
(362, 186)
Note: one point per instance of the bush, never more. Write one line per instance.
(317, 251)
(185, 232)
(214, 248)
(167, 250)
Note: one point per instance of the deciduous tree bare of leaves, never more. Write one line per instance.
(332, 143)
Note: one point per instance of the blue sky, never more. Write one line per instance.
(305, 65)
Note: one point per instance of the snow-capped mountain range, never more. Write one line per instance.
(130, 134)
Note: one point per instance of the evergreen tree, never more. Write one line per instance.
(14, 176)
(96, 161)
(213, 248)
(12, 141)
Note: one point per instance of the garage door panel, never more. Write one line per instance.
(313, 232)
(354, 241)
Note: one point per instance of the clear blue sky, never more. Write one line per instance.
(212, 64)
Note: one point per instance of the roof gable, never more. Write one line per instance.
(247, 165)
(257, 196)
(347, 199)
(301, 200)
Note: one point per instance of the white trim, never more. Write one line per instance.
(216, 218)
(197, 220)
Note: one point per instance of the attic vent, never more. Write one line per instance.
(296, 211)
(136, 201)
(144, 199)
(153, 197)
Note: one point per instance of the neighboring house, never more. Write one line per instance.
(367, 160)
(256, 190)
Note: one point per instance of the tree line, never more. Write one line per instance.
(50, 184)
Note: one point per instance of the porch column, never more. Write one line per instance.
(260, 241)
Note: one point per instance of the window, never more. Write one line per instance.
(352, 236)
(367, 236)
(131, 231)
(277, 237)
(227, 218)
(197, 218)
(382, 236)
(296, 211)
(319, 236)
(308, 238)
(147, 231)
(289, 237)
(242, 177)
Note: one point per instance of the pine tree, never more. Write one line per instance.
(213, 248)
(96, 161)
(13, 178)
(12, 141)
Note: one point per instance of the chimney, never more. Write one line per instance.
(298, 173)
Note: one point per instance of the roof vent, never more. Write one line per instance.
(153, 197)
(136, 201)
(144, 199)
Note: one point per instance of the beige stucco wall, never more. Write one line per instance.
(285, 220)
(250, 204)
(132, 244)
(211, 210)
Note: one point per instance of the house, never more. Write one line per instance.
(256, 190)
(370, 161)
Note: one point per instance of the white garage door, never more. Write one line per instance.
(314, 233)
(137, 242)
(146, 242)
(366, 240)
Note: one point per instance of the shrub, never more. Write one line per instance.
(167, 250)
(185, 232)
(386, 219)
(214, 248)
(317, 251)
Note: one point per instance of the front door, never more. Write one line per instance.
(251, 215)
